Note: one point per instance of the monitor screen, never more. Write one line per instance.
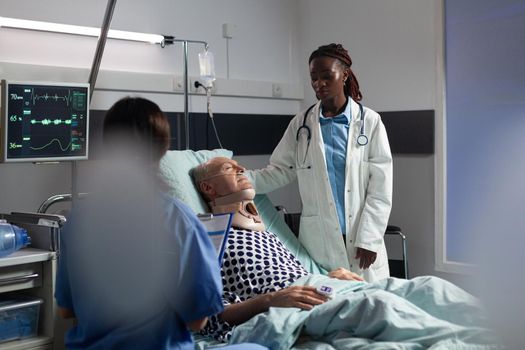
(44, 121)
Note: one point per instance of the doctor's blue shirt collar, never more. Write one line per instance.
(343, 118)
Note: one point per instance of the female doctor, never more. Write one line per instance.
(339, 152)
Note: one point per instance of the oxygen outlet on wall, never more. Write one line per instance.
(277, 90)
(228, 30)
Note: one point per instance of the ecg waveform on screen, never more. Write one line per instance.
(49, 121)
(50, 143)
(76, 98)
(54, 97)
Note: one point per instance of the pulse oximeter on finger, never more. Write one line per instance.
(326, 291)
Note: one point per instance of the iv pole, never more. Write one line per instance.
(92, 80)
(185, 42)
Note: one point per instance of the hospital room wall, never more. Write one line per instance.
(24, 186)
(393, 48)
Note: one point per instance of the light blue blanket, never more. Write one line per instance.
(422, 313)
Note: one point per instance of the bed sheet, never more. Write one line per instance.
(350, 321)
(423, 313)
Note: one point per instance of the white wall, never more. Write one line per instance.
(392, 44)
(254, 36)
(24, 186)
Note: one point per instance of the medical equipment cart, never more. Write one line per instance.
(29, 274)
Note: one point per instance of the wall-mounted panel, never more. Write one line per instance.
(409, 132)
(244, 134)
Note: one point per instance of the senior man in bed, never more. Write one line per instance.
(270, 298)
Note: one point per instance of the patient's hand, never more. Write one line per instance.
(303, 297)
(344, 274)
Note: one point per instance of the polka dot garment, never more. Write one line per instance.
(254, 263)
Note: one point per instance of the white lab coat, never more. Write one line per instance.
(368, 191)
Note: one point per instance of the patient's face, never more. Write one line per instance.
(226, 176)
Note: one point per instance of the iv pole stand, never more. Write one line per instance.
(92, 80)
(185, 42)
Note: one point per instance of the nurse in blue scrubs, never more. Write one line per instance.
(136, 268)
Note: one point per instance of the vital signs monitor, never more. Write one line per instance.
(44, 122)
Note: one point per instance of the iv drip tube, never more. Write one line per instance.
(208, 108)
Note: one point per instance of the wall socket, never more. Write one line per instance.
(277, 90)
(200, 89)
(178, 84)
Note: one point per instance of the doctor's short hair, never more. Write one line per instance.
(338, 52)
(139, 125)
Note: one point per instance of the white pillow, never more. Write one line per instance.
(175, 169)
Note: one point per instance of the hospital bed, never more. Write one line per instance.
(175, 169)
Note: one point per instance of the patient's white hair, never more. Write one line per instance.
(199, 173)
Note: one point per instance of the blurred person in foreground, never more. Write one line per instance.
(136, 268)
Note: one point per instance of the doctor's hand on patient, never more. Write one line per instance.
(366, 257)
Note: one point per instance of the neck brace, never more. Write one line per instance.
(245, 214)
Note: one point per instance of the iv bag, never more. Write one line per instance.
(207, 68)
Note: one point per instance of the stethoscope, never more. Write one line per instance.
(362, 139)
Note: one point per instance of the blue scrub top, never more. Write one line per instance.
(335, 137)
(133, 283)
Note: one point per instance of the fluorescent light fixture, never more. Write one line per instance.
(79, 30)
